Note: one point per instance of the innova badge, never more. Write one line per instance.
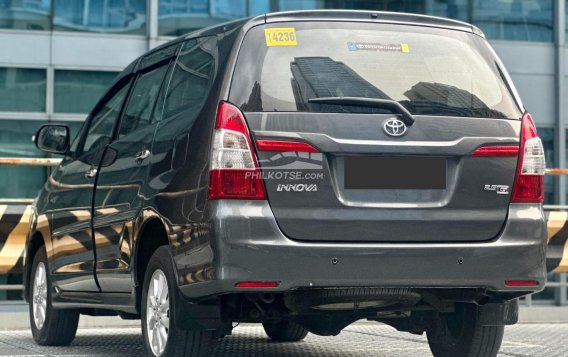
(394, 127)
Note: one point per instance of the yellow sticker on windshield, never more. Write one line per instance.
(280, 37)
(404, 48)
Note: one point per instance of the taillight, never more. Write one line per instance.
(284, 145)
(529, 179)
(496, 151)
(235, 173)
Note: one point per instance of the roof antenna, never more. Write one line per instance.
(374, 15)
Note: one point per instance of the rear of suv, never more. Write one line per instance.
(302, 170)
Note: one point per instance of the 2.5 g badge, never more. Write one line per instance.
(499, 189)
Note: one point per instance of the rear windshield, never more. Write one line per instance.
(430, 71)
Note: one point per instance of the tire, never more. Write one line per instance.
(460, 334)
(161, 313)
(50, 327)
(284, 331)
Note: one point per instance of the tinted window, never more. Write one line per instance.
(191, 79)
(428, 70)
(103, 120)
(140, 110)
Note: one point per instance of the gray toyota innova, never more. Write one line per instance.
(302, 170)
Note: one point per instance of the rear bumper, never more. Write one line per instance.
(247, 245)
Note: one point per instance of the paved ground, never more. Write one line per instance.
(362, 339)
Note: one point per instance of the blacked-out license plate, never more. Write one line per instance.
(395, 173)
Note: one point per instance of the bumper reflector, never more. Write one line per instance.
(257, 284)
(521, 283)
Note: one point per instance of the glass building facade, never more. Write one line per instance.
(59, 56)
(516, 20)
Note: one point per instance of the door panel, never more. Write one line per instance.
(71, 197)
(120, 193)
(72, 260)
(118, 200)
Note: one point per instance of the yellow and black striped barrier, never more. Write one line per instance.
(557, 252)
(14, 224)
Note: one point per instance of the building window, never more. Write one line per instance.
(79, 91)
(15, 141)
(108, 16)
(566, 21)
(25, 15)
(526, 20)
(22, 90)
(177, 17)
(516, 20)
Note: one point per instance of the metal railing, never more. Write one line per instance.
(28, 161)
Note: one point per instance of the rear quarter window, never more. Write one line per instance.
(430, 71)
(192, 77)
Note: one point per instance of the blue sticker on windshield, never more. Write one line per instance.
(391, 47)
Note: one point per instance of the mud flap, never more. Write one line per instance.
(498, 314)
(192, 316)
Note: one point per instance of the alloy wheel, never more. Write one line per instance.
(39, 300)
(158, 312)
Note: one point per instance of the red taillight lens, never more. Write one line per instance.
(230, 117)
(496, 151)
(234, 168)
(235, 184)
(529, 179)
(283, 145)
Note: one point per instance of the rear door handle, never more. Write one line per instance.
(91, 173)
(144, 154)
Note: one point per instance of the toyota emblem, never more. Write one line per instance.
(394, 127)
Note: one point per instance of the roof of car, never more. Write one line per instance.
(365, 16)
(340, 15)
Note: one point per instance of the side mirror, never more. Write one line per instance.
(52, 138)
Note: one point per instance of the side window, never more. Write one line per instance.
(191, 79)
(101, 125)
(140, 109)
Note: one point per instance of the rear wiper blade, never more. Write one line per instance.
(390, 104)
(437, 107)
